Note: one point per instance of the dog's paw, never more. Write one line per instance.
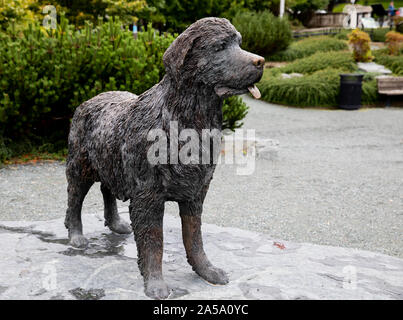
(213, 275)
(78, 241)
(156, 289)
(120, 226)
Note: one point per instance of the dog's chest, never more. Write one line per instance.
(186, 182)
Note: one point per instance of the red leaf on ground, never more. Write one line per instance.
(279, 245)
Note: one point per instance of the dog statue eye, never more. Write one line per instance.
(220, 47)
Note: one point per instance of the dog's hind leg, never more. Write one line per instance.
(112, 218)
(77, 189)
(190, 213)
(146, 215)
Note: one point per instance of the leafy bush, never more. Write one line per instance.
(234, 110)
(262, 32)
(46, 75)
(26, 149)
(318, 89)
(77, 11)
(175, 16)
(320, 61)
(377, 35)
(342, 35)
(4, 151)
(369, 76)
(394, 63)
(369, 92)
(361, 45)
(303, 10)
(309, 46)
(394, 41)
(21, 11)
(398, 23)
(320, 85)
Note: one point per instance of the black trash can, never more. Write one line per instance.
(350, 91)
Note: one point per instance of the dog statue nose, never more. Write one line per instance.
(258, 62)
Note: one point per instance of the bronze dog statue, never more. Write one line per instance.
(108, 143)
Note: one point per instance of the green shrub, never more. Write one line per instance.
(10, 148)
(361, 45)
(21, 11)
(342, 35)
(399, 24)
(45, 75)
(309, 46)
(5, 152)
(318, 89)
(303, 10)
(234, 110)
(31, 149)
(262, 32)
(394, 63)
(321, 60)
(377, 35)
(394, 41)
(370, 76)
(369, 92)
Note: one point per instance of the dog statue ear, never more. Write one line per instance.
(174, 57)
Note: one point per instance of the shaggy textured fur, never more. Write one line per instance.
(108, 143)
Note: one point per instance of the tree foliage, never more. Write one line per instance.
(46, 74)
(262, 32)
(77, 11)
(303, 10)
(20, 11)
(176, 15)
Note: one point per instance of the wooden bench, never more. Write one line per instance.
(390, 86)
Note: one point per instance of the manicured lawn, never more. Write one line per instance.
(398, 4)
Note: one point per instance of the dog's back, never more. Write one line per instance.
(95, 135)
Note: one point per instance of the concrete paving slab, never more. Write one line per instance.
(36, 262)
(373, 67)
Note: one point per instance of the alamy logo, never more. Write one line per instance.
(189, 147)
(50, 20)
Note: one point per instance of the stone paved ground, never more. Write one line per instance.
(324, 177)
(36, 262)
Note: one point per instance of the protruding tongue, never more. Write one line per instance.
(254, 91)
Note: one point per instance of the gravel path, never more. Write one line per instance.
(325, 177)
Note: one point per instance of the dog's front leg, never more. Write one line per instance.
(190, 213)
(146, 218)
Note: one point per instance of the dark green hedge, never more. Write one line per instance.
(394, 63)
(46, 74)
(320, 61)
(234, 110)
(262, 32)
(320, 84)
(306, 47)
(377, 35)
(319, 89)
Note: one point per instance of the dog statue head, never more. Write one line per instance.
(208, 54)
